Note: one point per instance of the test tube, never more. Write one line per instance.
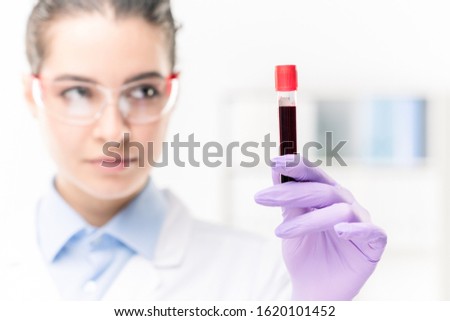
(286, 87)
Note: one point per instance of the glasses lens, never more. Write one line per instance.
(73, 101)
(145, 100)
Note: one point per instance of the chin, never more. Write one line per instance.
(112, 188)
(109, 193)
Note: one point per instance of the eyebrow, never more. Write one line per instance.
(144, 75)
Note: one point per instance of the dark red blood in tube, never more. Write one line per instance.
(288, 134)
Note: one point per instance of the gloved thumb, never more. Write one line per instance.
(368, 238)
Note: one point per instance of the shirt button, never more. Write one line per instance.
(90, 287)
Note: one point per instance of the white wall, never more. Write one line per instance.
(227, 51)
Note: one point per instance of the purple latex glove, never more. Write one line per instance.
(330, 247)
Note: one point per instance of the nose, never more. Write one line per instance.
(111, 126)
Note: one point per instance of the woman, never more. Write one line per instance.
(103, 69)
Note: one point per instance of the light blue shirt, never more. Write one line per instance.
(84, 260)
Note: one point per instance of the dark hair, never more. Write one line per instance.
(155, 12)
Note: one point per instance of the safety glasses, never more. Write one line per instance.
(82, 103)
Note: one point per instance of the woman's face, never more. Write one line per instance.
(108, 52)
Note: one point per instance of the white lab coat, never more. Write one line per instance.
(194, 260)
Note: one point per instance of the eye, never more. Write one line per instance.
(76, 93)
(144, 92)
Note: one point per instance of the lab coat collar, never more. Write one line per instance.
(175, 234)
(27, 276)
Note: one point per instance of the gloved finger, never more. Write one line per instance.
(368, 238)
(300, 169)
(316, 221)
(291, 213)
(276, 177)
(303, 195)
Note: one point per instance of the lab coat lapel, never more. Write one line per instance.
(36, 277)
(175, 234)
(138, 280)
(27, 275)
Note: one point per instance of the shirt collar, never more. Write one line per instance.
(137, 225)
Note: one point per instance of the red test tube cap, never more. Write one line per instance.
(286, 78)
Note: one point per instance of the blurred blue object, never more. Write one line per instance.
(397, 130)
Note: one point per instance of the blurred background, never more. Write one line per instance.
(375, 73)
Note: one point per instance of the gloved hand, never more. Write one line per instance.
(329, 245)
